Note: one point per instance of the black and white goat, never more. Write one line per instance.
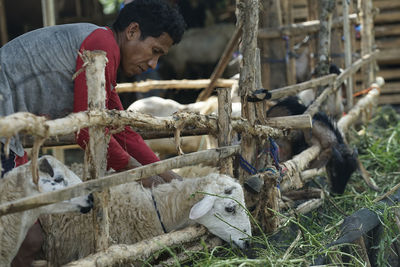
(339, 159)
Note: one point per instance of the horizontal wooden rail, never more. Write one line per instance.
(299, 28)
(210, 156)
(172, 84)
(314, 107)
(140, 250)
(30, 124)
(296, 88)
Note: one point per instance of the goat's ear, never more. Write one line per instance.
(44, 166)
(202, 207)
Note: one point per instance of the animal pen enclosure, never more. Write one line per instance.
(253, 127)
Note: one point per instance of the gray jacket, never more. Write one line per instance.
(36, 72)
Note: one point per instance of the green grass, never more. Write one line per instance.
(378, 145)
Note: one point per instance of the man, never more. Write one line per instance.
(36, 76)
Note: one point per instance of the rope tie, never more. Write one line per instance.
(247, 166)
(158, 213)
(366, 91)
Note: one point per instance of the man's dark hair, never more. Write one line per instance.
(154, 18)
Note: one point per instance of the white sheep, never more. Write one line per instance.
(133, 216)
(17, 184)
(160, 107)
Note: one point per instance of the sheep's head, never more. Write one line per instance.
(53, 175)
(222, 211)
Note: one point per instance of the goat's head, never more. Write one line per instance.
(340, 167)
(53, 175)
(222, 211)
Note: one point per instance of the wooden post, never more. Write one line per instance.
(291, 61)
(347, 53)
(273, 51)
(3, 23)
(248, 17)
(313, 7)
(97, 147)
(225, 126)
(367, 40)
(48, 13)
(324, 38)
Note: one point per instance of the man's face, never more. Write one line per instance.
(138, 55)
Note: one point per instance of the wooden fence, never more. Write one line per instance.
(96, 118)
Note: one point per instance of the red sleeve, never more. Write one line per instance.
(131, 141)
(124, 144)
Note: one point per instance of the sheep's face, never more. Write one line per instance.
(224, 215)
(53, 175)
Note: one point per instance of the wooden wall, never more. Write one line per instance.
(387, 39)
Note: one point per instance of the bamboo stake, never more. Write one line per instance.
(146, 86)
(210, 156)
(222, 63)
(95, 62)
(141, 250)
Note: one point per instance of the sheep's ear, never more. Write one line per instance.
(44, 166)
(202, 207)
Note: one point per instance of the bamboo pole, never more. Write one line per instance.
(210, 156)
(140, 250)
(96, 150)
(347, 53)
(303, 28)
(222, 63)
(148, 85)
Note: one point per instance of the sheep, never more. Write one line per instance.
(133, 215)
(157, 106)
(17, 184)
(340, 160)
